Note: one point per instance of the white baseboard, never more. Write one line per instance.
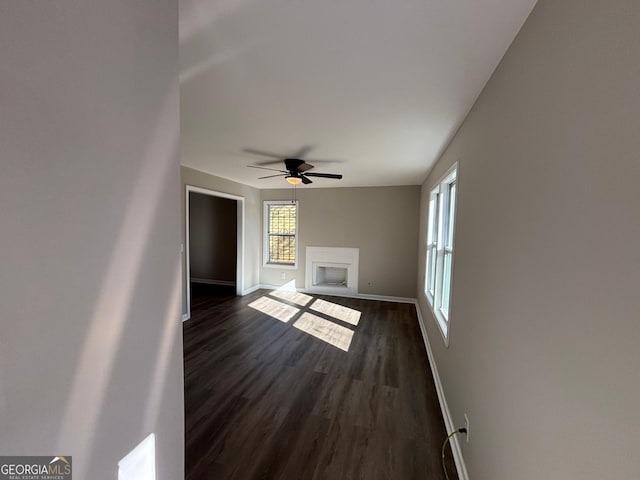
(226, 283)
(363, 296)
(264, 286)
(251, 290)
(383, 298)
(185, 317)
(446, 413)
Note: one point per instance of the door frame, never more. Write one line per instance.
(239, 240)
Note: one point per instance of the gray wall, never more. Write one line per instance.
(253, 215)
(90, 335)
(212, 237)
(380, 221)
(545, 324)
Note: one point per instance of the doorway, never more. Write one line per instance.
(214, 254)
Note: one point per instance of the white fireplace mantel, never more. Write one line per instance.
(332, 270)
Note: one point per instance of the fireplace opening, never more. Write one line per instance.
(334, 276)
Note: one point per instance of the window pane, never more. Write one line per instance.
(441, 224)
(452, 210)
(281, 231)
(431, 269)
(446, 284)
(282, 249)
(282, 219)
(434, 255)
(432, 230)
(432, 239)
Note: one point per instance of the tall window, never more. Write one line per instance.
(281, 228)
(440, 232)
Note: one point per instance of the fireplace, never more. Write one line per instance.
(330, 274)
(331, 270)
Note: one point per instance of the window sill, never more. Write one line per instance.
(443, 325)
(280, 266)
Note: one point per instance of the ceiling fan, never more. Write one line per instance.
(296, 170)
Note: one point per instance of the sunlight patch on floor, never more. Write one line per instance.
(346, 314)
(292, 296)
(327, 331)
(274, 308)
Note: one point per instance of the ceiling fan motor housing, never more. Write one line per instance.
(296, 172)
(296, 165)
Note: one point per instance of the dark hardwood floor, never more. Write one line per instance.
(291, 388)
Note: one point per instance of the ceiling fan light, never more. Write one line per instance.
(293, 180)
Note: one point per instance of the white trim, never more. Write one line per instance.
(265, 234)
(251, 289)
(449, 175)
(239, 238)
(445, 337)
(461, 467)
(185, 317)
(443, 209)
(280, 266)
(384, 298)
(226, 283)
(344, 257)
(361, 296)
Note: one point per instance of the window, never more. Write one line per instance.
(439, 252)
(281, 229)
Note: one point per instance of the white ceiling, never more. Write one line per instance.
(379, 86)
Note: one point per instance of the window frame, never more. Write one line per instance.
(432, 243)
(265, 234)
(440, 236)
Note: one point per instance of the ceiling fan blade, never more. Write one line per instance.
(305, 180)
(265, 168)
(323, 160)
(262, 153)
(302, 152)
(324, 175)
(271, 176)
(305, 167)
(269, 162)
